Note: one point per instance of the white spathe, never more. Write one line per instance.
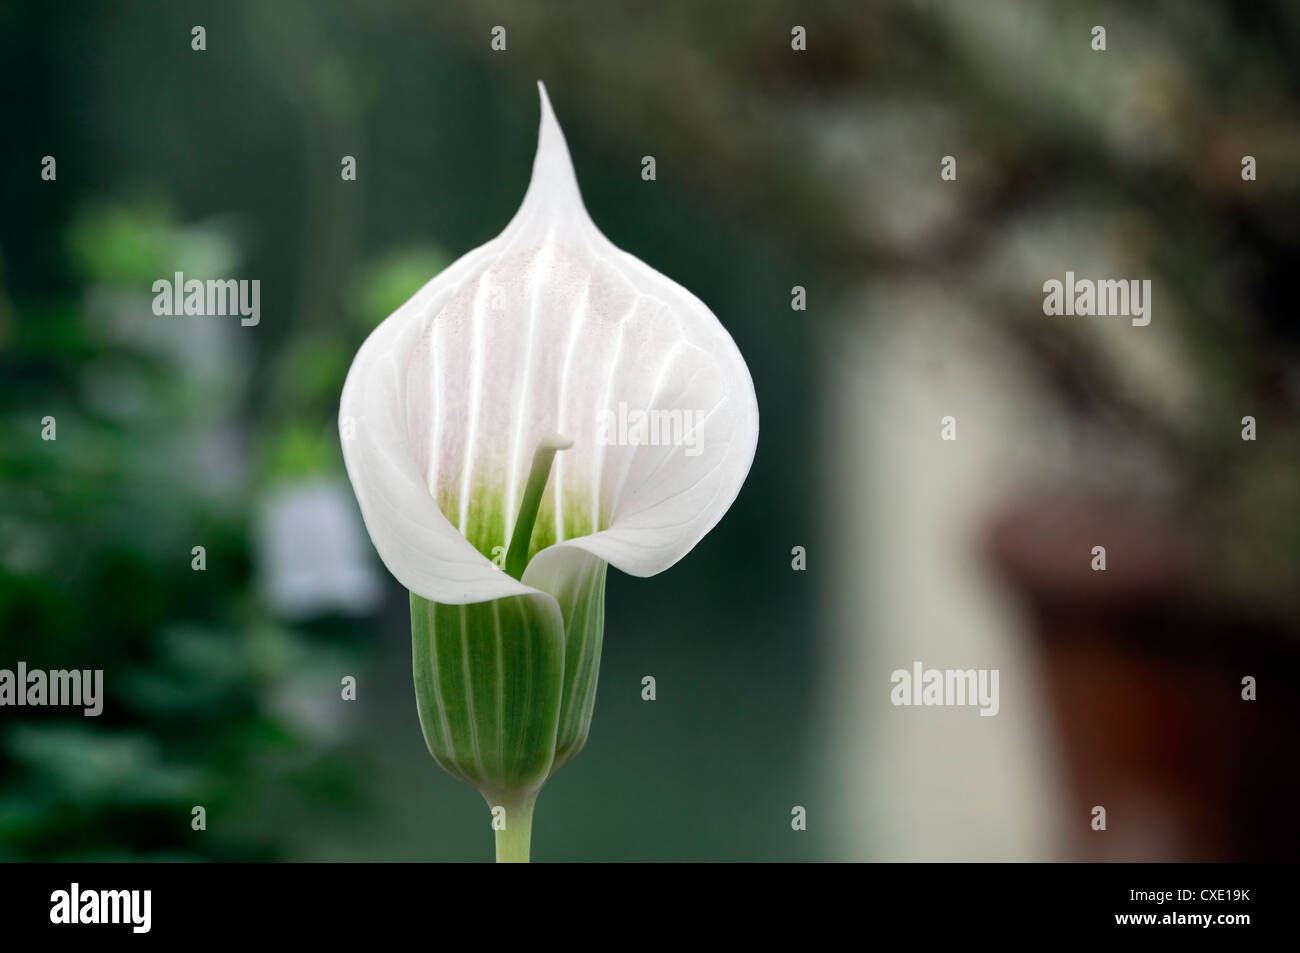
(541, 331)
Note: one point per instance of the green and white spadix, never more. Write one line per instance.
(476, 426)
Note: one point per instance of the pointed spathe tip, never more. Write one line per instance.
(553, 176)
(549, 135)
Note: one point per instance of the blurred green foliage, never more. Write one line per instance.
(392, 279)
(96, 534)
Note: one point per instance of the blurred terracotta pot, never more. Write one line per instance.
(1144, 673)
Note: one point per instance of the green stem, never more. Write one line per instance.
(515, 841)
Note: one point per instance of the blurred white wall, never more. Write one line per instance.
(903, 582)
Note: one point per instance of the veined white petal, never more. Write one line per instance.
(546, 329)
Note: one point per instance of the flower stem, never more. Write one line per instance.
(514, 842)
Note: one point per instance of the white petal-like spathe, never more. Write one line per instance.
(548, 328)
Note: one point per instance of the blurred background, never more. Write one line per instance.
(775, 168)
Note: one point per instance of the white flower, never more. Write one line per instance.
(534, 333)
(524, 346)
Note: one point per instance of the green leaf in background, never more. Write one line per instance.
(135, 245)
(391, 280)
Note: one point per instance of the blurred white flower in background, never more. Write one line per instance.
(313, 557)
